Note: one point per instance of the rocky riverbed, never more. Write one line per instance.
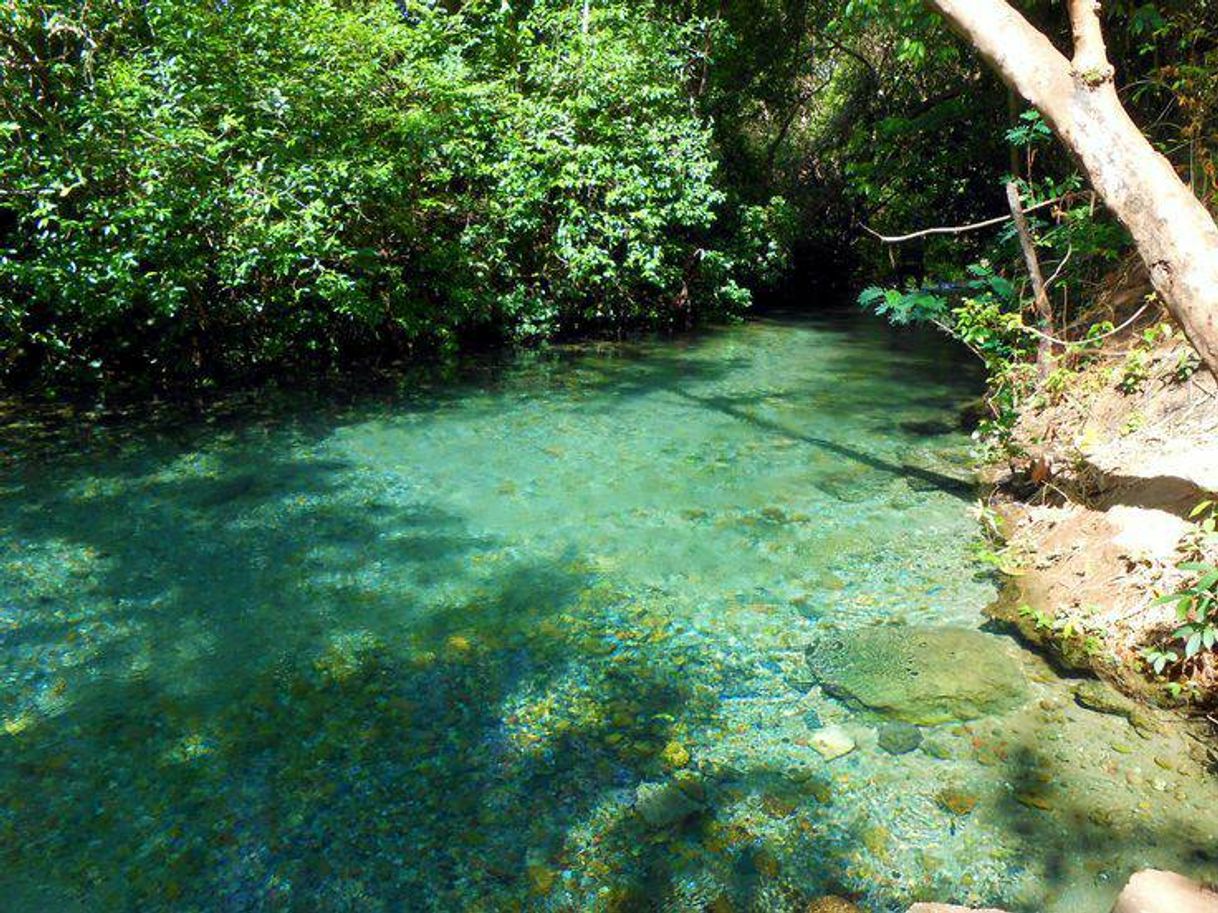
(666, 627)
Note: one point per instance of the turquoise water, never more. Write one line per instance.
(442, 650)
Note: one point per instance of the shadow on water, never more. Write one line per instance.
(1071, 826)
(735, 407)
(242, 718)
(255, 690)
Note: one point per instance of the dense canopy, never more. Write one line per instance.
(206, 191)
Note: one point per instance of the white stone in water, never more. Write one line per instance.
(832, 742)
(1152, 891)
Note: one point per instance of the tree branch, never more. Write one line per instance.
(1060, 268)
(1044, 308)
(954, 229)
(1091, 339)
(1090, 54)
(1019, 53)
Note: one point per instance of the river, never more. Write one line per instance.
(534, 639)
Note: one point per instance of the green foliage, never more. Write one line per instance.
(1044, 621)
(905, 306)
(1196, 609)
(1030, 131)
(195, 191)
(1206, 515)
(1135, 422)
(1197, 602)
(1134, 372)
(192, 192)
(981, 319)
(990, 319)
(1202, 539)
(1070, 633)
(1188, 363)
(1094, 338)
(1156, 333)
(987, 317)
(1159, 658)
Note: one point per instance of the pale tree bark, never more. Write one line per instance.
(1040, 295)
(1173, 231)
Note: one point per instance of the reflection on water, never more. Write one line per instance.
(536, 642)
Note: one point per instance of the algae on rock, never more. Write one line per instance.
(920, 675)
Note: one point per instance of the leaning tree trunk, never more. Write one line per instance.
(1173, 231)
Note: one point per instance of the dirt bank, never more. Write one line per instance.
(1116, 452)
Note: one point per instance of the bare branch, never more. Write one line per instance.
(1063, 342)
(954, 229)
(1060, 268)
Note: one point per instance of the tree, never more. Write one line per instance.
(197, 193)
(1174, 233)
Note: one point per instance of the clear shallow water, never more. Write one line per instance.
(426, 652)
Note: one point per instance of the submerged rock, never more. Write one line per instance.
(900, 738)
(959, 802)
(843, 487)
(920, 675)
(664, 804)
(766, 864)
(675, 755)
(832, 742)
(1034, 799)
(541, 879)
(778, 807)
(832, 905)
(1102, 698)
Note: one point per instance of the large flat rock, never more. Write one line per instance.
(921, 675)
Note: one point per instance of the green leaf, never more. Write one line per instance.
(1193, 647)
(1173, 597)
(1195, 566)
